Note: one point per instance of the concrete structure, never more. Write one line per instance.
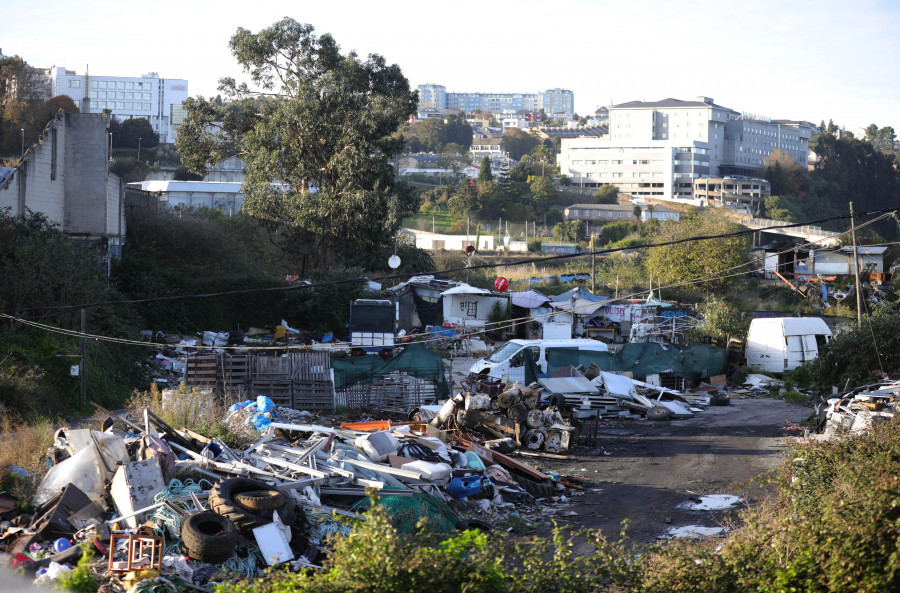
(224, 196)
(490, 147)
(599, 212)
(556, 103)
(657, 149)
(742, 193)
(149, 96)
(65, 177)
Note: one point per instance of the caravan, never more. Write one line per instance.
(509, 359)
(780, 344)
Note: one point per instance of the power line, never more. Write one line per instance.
(359, 280)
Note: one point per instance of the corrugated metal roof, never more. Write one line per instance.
(188, 186)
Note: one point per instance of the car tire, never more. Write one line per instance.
(260, 500)
(222, 501)
(209, 537)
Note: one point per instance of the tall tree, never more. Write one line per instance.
(518, 142)
(694, 261)
(316, 133)
(23, 91)
(484, 172)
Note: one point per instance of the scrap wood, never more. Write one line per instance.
(510, 463)
(544, 455)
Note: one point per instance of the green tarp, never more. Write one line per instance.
(642, 359)
(415, 360)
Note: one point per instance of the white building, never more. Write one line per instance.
(156, 99)
(656, 149)
(224, 196)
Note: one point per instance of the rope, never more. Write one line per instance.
(165, 518)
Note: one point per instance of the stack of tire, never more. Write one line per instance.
(236, 507)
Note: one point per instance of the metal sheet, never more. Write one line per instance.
(568, 385)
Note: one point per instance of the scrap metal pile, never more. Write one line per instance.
(856, 411)
(173, 507)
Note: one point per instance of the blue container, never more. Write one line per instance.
(464, 487)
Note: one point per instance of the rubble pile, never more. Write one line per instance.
(856, 411)
(158, 504)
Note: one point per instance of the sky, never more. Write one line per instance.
(786, 59)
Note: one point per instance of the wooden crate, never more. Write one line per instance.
(272, 367)
(235, 369)
(313, 395)
(280, 392)
(202, 371)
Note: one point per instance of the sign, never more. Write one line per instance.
(501, 284)
(74, 370)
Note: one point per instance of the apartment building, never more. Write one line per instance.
(556, 103)
(159, 100)
(657, 149)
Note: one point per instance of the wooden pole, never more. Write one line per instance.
(856, 270)
(83, 370)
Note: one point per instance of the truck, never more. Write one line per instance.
(373, 326)
(779, 344)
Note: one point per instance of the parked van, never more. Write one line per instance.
(509, 359)
(779, 344)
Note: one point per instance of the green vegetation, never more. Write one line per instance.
(339, 202)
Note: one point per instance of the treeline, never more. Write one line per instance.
(847, 170)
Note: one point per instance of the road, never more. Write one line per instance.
(642, 471)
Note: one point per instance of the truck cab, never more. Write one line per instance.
(372, 326)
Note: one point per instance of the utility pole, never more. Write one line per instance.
(83, 369)
(139, 149)
(23, 141)
(593, 268)
(856, 270)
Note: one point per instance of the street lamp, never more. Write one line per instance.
(23, 141)
(139, 149)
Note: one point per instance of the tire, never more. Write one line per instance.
(222, 501)
(260, 500)
(542, 489)
(657, 413)
(720, 400)
(209, 537)
(473, 524)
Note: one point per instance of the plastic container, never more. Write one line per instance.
(430, 471)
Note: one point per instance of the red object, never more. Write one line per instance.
(501, 284)
(20, 560)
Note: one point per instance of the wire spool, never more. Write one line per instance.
(517, 412)
(534, 438)
(534, 419)
(531, 399)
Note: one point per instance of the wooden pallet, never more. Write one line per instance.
(202, 371)
(280, 392)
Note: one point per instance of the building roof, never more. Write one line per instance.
(614, 207)
(670, 102)
(576, 132)
(486, 141)
(187, 186)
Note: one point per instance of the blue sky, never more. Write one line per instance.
(787, 59)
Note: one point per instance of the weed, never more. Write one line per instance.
(80, 580)
(23, 445)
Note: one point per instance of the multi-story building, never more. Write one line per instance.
(159, 100)
(556, 103)
(657, 149)
(744, 193)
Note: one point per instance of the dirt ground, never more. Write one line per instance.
(641, 471)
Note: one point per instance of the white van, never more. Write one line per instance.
(779, 344)
(509, 359)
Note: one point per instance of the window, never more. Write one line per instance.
(146, 106)
(93, 84)
(121, 84)
(120, 105)
(146, 96)
(129, 106)
(78, 104)
(93, 94)
(74, 84)
(129, 85)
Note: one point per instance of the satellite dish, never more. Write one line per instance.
(470, 249)
(394, 262)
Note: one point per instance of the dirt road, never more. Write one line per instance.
(643, 470)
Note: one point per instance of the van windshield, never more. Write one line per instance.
(503, 352)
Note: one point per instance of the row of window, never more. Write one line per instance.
(126, 105)
(129, 85)
(120, 95)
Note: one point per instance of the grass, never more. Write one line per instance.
(193, 408)
(24, 445)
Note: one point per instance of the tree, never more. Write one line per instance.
(484, 172)
(705, 263)
(637, 212)
(134, 128)
(519, 143)
(571, 231)
(453, 157)
(23, 91)
(543, 194)
(63, 102)
(317, 139)
(607, 194)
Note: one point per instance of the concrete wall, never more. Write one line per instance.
(64, 176)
